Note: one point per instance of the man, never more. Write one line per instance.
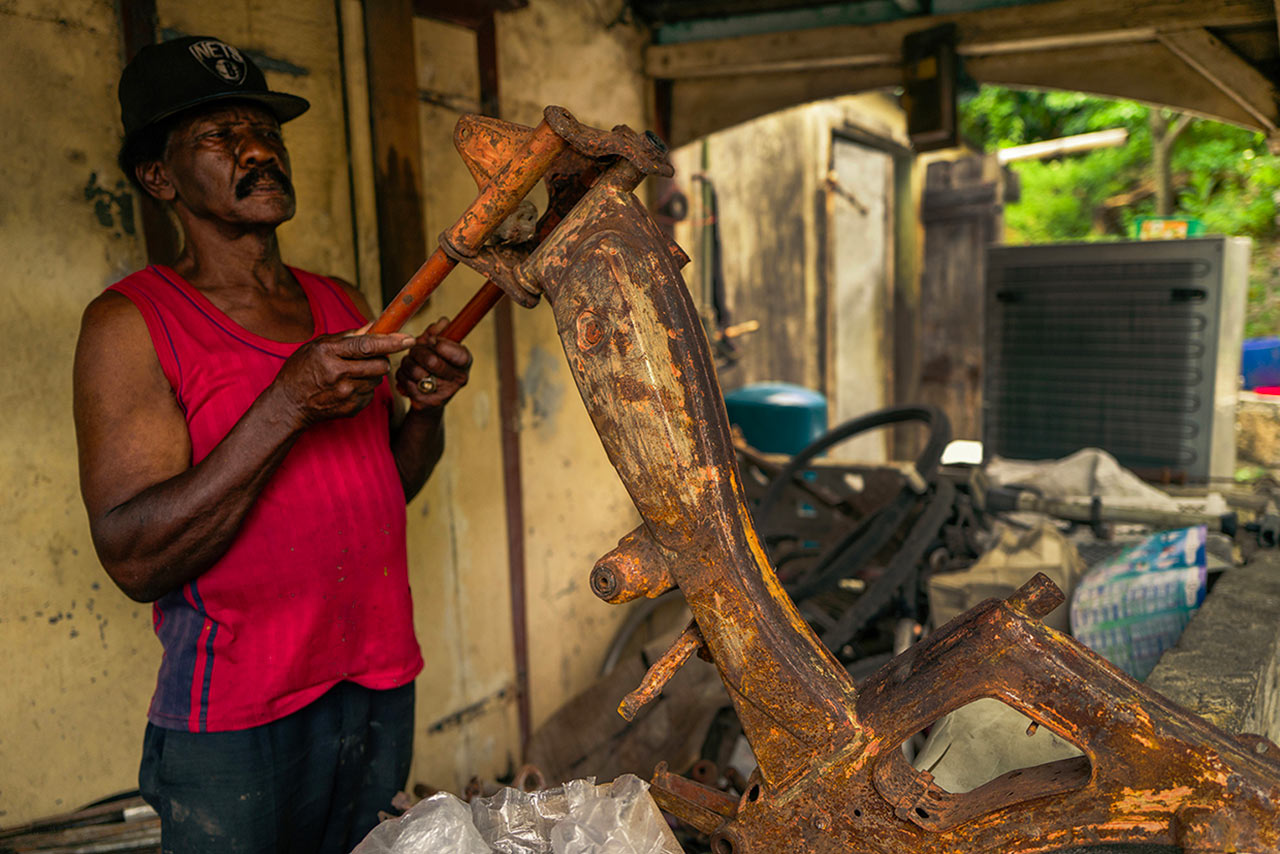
(242, 469)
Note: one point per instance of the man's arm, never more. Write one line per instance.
(417, 439)
(157, 521)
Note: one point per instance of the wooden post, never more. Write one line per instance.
(962, 210)
(137, 30)
(397, 150)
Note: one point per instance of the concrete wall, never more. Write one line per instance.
(1226, 665)
(79, 659)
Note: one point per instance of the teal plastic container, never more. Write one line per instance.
(777, 418)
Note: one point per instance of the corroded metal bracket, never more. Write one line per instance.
(830, 776)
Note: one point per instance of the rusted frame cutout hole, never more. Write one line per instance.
(983, 757)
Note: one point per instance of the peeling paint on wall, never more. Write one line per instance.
(541, 393)
(112, 207)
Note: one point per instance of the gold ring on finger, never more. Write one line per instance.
(427, 385)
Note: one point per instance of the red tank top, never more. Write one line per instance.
(315, 588)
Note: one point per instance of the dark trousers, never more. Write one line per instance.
(310, 782)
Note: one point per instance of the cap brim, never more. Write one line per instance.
(284, 107)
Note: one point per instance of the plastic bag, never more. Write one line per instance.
(441, 823)
(626, 821)
(578, 818)
(1132, 608)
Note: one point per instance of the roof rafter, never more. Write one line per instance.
(1048, 25)
(1224, 68)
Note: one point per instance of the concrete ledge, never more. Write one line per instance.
(1226, 665)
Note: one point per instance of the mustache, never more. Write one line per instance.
(260, 175)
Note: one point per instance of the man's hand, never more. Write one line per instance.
(335, 376)
(444, 364)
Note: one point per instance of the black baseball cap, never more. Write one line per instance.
(166, 78)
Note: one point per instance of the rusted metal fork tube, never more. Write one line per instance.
(414, 293)
(473, 312)
(496, 202)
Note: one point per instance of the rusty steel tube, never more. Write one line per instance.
(414, 293)
(496, 202)
(499, 198)
(473, 312)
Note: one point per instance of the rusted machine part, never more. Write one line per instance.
(635, 569)
(1150, 772)
(660, 673)
(639, 356)
(526, 158)
(735, 778)
(529, 779)
(697, 804)
(705, 771)
(645, 152)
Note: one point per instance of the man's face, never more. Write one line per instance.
(230, 164)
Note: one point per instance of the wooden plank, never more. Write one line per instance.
(1039, 26)
(393, 102)
(1222, 67)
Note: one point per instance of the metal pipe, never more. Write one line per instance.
(1063, 145)
(473, 312)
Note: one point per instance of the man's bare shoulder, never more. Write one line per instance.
(111, 313)
(114, 343)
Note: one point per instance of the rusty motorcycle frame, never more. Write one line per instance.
(831, 777)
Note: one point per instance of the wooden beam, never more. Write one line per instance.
(472, 14)
(1222, 67)
(1145, 72)
(1038, 26)
(703, 105)
(397, 151)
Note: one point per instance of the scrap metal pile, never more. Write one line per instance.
(831, 777)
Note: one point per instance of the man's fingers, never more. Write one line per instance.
(438, 327)
(369, 346)
(453, 353)
(440, 368)
(373, 368)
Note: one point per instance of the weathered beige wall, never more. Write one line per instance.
(76, 656)
(774, 205)
(466, 699)
(79, 659)
(565, 52)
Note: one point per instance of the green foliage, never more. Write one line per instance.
(1222, 175)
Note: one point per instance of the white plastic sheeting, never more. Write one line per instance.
(577, 818)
